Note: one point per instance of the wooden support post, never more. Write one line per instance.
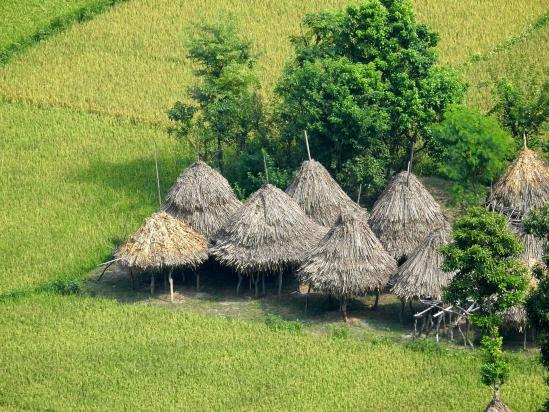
(197, 280)
(170, 279)
(256, 281)
(130, 272)
(182, 276)
(524, 339)
(238, 284)
(279, 284)
(415, 328)
(263, 292)
(250, 282)
(411, 307)
(451, 331)
(307, 299)
(152, 284)
(377, 300)
(344, 309)
(402, 307)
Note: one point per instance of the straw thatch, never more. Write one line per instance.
(319, 195)
(404, 215)
(163, 241)
(202, 198)
(421, 275)
(269, 232)
(348, 261)
(534, 247)
(524, 186)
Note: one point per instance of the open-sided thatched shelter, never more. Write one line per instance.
(421, 275)
(404, 214)
(163, 241)
(269, 233)
(202, 198)
(318, 194)
(348, 261)
(524, 186)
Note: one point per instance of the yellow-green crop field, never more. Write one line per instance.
(79, 115)
(75, 353)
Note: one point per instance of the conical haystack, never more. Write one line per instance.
(421, 275)
(163, 241)
(202, 198)
(348, 261)
(404, 215)
(268, 233)
(524, 186)
(319, 195)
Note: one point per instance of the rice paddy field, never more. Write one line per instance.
(80, 112)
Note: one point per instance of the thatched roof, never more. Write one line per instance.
(163, 241)
(318, 194)
(269, 232)
(524, 186)
(516, 317)
(202, 198)
(348, 261)
(421, 275)
(534, 247)
(404, 214)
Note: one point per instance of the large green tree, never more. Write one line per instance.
(471, 150)
(537, 305)
(522, 112)
(223, 109)
(485, 255)
(365, 84)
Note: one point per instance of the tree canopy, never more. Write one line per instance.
(364, 82)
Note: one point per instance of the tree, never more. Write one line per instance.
(471, 150)
(537, 305)
(486, 257)
(522, 113)
(364, 83)
(224, 108)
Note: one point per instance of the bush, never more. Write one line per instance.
(276, 323)
(340, 332)
(65, 287)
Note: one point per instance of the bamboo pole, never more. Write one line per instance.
(307, 145)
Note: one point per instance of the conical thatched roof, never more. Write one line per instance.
(534, 247)
(348, 261)
(202, 198)
(318, 194)
(421, 275)
(163, 241)
(404, 214)
(269, 232)
(524, 186)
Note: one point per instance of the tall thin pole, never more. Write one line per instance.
(359, 192)
(157, 176)
(265, 166)
(307, 145)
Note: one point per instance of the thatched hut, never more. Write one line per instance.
(318, 194)
(348, 261)
(202, 198)
(163, 241)
(524, 186)
(421, 275)
(404, 214)
(269, 233)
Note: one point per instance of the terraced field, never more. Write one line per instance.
(79, 112)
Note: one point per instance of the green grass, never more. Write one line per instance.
(68, 183)
(25, 23)
(130, 61)
(66, 353)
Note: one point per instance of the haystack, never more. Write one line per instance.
(318, 194)
(163, 241)
(421, 275)
(202, 198)
(348, 261)
(524, 186)
(404, 215)
(269, 233)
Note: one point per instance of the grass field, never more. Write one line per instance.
(129, 62)
(68, 183)
(67, 353)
